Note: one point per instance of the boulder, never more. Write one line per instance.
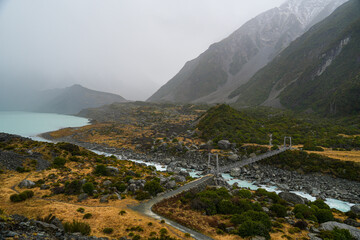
(292, 197)
(26, 184)
(252, 155)
(179, 178)
(329, 226)
(356, 209)
(112, 171)
(233, 157)
(107, 183)
(170, 185)
(313, 236)
(235, 172)
(224, 144)
(82, 197)
(104, 199)
(258, 238)
(44, 187)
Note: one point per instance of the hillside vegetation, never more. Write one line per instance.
(254, 126)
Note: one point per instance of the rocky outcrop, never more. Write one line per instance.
(292, 197)
(329, 226)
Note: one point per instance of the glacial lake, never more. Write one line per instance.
(29, 124)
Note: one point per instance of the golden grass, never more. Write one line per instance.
(103, 215)
(353, 156)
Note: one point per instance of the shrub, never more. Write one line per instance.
(336, 234)
(21, 196)
(87, 216)
(187, 235)
(163, 231)
(80, 210)
(72, 188)
(142, 195)
(278, 210)
(301, 224)
(305, 211)
(120, 186)
(122, 212)
(320, 204)
(77, 226)
(294, 230)
(15, 198)
(252, 228)
(88, 188)
(72, 148)
(324, 215)
(252, 216)
(136, 237)
(153, 187)
(243, 193)
(100, 170)
(59, 162)
(108, 230)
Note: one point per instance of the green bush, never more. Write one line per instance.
(120, 186)
(320, 204)
(305, 211)
(73, 188)
(324, 215)
(252, 216)
(87, 216)
(278, 210)
(243, 193)
(80, 210)
(100, 170)
(142, 195)
(77, 226)
(21, 196)
(88, 188)
(108, 230)
(251, 228)
(153, 187)
(336, 234)
(59, 162)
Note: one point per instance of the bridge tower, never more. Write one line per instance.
(287, 138)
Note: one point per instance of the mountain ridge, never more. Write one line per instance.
(231, 62)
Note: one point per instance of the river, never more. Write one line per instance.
(28, 124)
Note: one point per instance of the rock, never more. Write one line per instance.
(314, 229)
(26, 184)
(292, 197)
(170, 184)
(19, 218)
(284, 187)
(132, 187)
(104, 199)
(265, 209)
(258, 238)
(235, 172)
(82, 197)
(252, 155)
(179, 178)
(57, 223)
(313, 236)
(329, 226)
(229, 229)
(356, 209)
(112, 171)
(107, 183)
(10, 234)
(352, 222)
(224, 144)
(233, 157)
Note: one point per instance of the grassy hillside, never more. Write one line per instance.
(254, 126)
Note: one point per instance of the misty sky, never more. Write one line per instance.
(127, 47)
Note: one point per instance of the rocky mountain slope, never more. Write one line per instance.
(230, 63)
(72, 100)
(320, 71)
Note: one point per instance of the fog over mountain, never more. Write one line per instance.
(129, 48)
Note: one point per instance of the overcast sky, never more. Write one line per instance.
(127, 47)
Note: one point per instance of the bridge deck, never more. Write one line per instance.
(251, 160)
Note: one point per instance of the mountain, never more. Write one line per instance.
(230, 63)
(72, 100)
(320, 71)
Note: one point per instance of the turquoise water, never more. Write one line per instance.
(29, 124)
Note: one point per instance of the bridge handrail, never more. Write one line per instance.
(253, 160)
